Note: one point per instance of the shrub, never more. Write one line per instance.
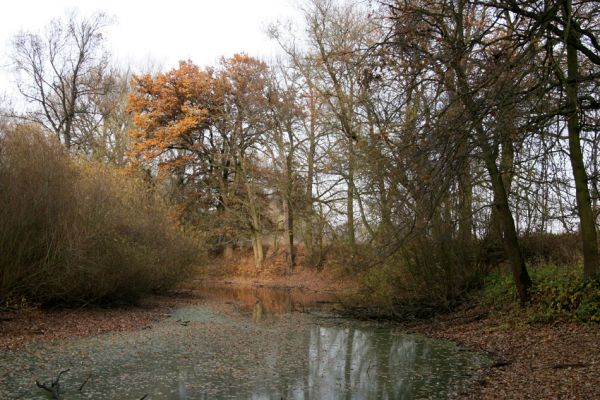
(427, 275)
(76, 231)
(558, 293)
(563, 295)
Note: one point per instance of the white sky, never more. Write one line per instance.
(157, 32)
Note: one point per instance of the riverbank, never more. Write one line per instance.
(539, 361)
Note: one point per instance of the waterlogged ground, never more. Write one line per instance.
(245, 344)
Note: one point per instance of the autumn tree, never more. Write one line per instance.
(203, 129)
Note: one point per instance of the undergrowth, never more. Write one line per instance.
(74, 231)
(558, 294)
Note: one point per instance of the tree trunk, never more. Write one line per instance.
(465, 206)
(309, 211)
(257, 247)
(507, 223)
(509, 232)
(255, 224)
(587, 226)
(289, 193)
(289, 227)
(67, 133)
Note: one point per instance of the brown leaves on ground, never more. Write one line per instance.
(24, 326)
(555, 361)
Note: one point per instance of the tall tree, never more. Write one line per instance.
(447, 44)
(60, 71)
(203, 129)
(570, 39)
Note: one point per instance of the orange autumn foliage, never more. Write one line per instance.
(168, 110)
(198, 126)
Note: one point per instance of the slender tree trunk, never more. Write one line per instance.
(289, 193)
(465, 205)
(350, 197)
(289, 227)
(363, 214)
(507, 158)
(309, 211)
(67, 133)
(255, 222)
(257, 247)
(587, 226)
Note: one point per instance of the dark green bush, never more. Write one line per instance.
(75, 231)
(568, 298)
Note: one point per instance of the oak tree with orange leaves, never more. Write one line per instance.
(200, 131)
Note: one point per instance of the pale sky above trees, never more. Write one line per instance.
(155, 32)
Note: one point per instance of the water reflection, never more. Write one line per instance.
(257, 311)
(273, 301)
(295, 356)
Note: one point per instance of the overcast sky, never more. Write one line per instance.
(162, 32)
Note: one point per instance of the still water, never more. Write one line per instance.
(252, 343)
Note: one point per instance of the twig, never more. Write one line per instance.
(565, 366)
(84, 382)
(144, 396)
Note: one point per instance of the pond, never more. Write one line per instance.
(246, 343)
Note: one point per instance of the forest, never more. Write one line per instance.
(434, 155)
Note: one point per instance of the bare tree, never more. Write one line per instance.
(60, 70)
(566, 34)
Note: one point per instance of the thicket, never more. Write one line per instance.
(74, 231)
(432, 273)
